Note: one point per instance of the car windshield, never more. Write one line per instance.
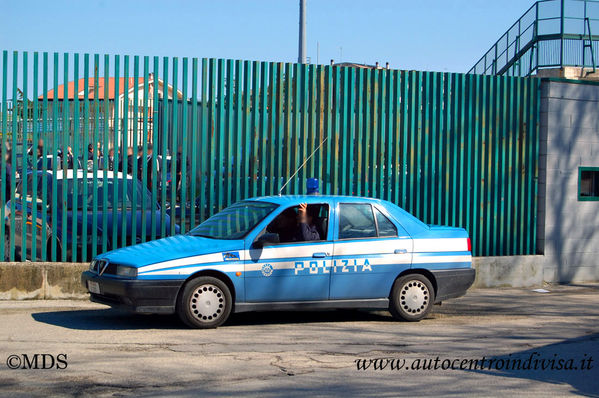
(235, 221)
(134, 189)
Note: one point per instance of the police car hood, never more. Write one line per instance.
(167, 249)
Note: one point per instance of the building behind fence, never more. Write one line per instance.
(452, 149)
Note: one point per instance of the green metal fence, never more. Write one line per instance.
(452, 149)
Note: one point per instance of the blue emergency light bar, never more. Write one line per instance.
(312, 186)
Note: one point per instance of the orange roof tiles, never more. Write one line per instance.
(93, 90)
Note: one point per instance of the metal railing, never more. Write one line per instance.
(451, 149)
(550, 34)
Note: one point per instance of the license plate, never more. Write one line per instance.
(93, 287)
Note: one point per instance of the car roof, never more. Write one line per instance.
(60, 175)
(293, 199)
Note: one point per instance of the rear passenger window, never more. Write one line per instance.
(386, 227)
(356, 221)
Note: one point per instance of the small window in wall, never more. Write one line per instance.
(588, 183)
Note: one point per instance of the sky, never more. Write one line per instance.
(435, 35)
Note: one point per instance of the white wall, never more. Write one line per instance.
(568, 229)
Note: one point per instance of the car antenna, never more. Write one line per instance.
(302, 165)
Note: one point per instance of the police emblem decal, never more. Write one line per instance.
(267, 270)
(230, 256)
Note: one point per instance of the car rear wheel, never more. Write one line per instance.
(412, 297)
(205, 303)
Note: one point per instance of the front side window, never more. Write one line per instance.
(289, 229)
(356, 221)
(235, 221)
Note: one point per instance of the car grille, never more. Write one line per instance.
(99, 266)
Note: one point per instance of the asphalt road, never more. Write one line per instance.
(111, 353)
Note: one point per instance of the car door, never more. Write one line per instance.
(370, 250)
(289, 271)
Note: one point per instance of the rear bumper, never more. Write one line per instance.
(452, 283)
(143, 296)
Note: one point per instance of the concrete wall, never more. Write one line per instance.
(568, 230)
(21, 281)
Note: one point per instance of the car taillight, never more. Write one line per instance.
(469, 245)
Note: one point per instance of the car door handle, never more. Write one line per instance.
(400, 251)
(320, 255)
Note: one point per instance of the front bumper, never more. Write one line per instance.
(452, 283)
(143, 296)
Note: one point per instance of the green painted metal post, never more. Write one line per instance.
(4, 232)
(96, 156)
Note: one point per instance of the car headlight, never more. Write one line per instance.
(130, 272)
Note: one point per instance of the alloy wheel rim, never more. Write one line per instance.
(414, 297)
(207, 303)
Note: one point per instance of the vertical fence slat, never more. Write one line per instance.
(228, 133)
(154, 156)
(183, 165)
(53, 237)
(4, 233)
(96, 156)
(358, 151)
(118, 155)
(13, 159)
(246, 174)
(75, 150)
(195, 176)
(44, 216)
(163, 113)
(108, 161)
(136, 187)
(238, 143)
(23, 169)
(125, 152)
(271, 104)
(288, 148)
(34, 155)
(85, 157)
(204, 169)
(389, 138)
(146, 208)
(204, 144)
(174, 145)
(328, 123)
(65, 157)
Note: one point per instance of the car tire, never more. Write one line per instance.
(412, 298)
(205, 303)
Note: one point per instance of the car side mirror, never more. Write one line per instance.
(266, 239)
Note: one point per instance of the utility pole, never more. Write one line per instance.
(301, 57)
(317, 53)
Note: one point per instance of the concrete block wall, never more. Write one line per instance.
(568, 230)
(21, 281)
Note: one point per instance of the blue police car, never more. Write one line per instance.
(342, 252)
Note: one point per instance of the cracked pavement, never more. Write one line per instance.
(114, 353)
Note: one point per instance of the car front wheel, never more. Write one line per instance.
(412, 297)
(205, 303)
